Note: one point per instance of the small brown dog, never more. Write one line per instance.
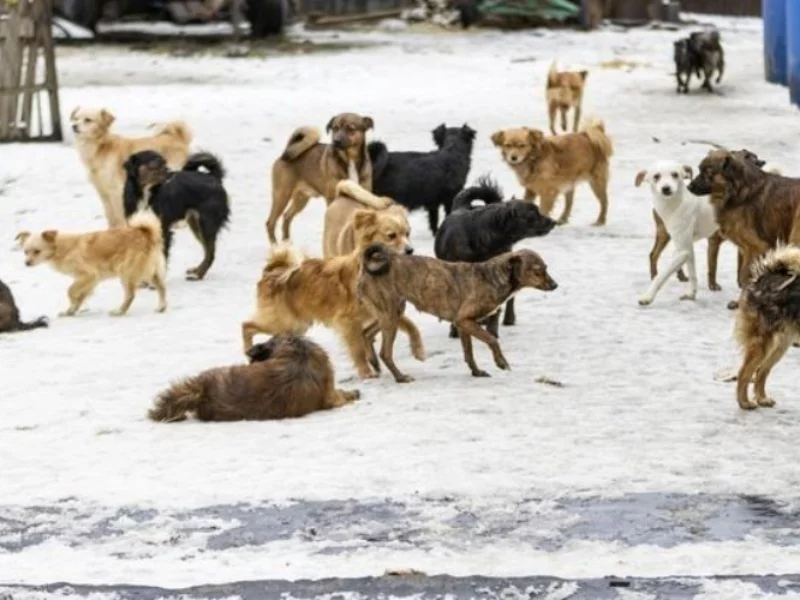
(768, 321)
(104, 153)
(547, 167)
(287, 377)
(755, 210)
(390, 222)
(308, 168)
(133, 253)
(565, 92)
(461, 293)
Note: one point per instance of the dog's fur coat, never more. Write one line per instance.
(565, 93)
(287, 377)
(9, 314)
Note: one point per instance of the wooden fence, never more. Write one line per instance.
(724, 7)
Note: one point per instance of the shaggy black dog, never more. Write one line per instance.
(9, 314)
(700, 54)
(477, 233)
(424, 179)
(189, 194)
(686, 63)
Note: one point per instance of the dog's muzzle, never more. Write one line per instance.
(339, 143)
(699, 188)
(28, 263)
(75, 128)
(666, 191)
(409, 250)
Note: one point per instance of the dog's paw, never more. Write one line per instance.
(690, 296)
(67, 313)
(765, 401)
(645, 300)
(733, 305)
(116, 312)
(404, 379)
(599, 223)
(748, 404)
(480, 373)
(562, 221)
(503, 364)
(193, 275)
(161, 309)
(368, 375)
(715, 287)
(419, 353)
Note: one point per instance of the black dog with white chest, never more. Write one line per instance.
(192, 195)
(481, 227)
(426, 180)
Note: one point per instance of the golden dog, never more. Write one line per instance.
(565, 92)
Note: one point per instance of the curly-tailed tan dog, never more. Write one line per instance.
(104, 153)
(565, 93)
(307, 168)
(548, 166)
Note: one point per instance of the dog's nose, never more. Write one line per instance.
(409, 249)
(553, 285)
(75, 128)
(28, 263)
(338, 143)
(666, 190)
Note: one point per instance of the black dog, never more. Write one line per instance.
(477, 233)
(701, 53)
(424, 179)
(686, 63)
(190, 194)
(9, 314)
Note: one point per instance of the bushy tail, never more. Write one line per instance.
(485, 189)
(207, 161)
(283, 261)
(178, 129)
(173, 403)
(595, 129)
(301, 141)
(784, 260)
(148, 222)
(379, 156)
(356, 192)
(40, 322)
(377, 260)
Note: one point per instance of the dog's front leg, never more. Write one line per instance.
(388, 335)
(353, 336)
(510, 317)
(714, 242)
(468, 327)
(466, 345)
(691, 267)
(678, 259)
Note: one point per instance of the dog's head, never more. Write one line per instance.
(265, 350)
(147, 168)
(518, 145)
(348, 131)
(720, 171)
(527, 269)
(666, 178)
(444, 135)
(566, 87)
(522, 220)
(388, 227)
(90, 123)
(39, 247)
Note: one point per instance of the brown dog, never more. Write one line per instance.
(461, 293)
(755, 210)
(287, 377)
(104, 153)
(547, 167)
(768, 321)
(308, 168)
(565, 92)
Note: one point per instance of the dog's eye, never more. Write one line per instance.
(392, 236)
(674, 175)
(656, 177)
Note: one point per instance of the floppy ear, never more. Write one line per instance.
(260, 352)
(438, 135)
(49, 236)
(329, 126)
(640, 178)
(535, 136)
(21, 237)
(514, 271)
(106, 118)
(583, 74)
(363, 219)
(730, 168)
(367, 123)
(498, 137)
(74, 112)
(688, 172)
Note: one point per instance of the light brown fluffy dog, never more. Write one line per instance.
(133, 253)
(104, 153)
(390, 222)
(548, 166)
(307, 168)
(565, 92)
(768, 321)
(288, 377)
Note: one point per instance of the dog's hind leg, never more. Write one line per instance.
(599, 184)
(415, 339)
(661, 241)
(552, 110)
(564, 125)
(721, 66)
(548, 201)
(754, 356)
(433, 218)
(468, 327)
(510, 316)
(283, 184)
(300, 197)
(353, 336)
(714, 242)
(129, 285)
(678, 259)
(161, 287)
(569, 197)
(206, 234)
(469, 356)
(493, 323)
(338, 398)
(779, 349)
(576, 118)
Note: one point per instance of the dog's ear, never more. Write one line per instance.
(498, 137)
(49, 236)
(467, 132)
(363, 219)
(583, 74)
(74, 113)
(731, 167)
(535, 136)
(438, 135)
(329, 126)
(688, 172)
(367, 123)
(514, 271)
(106, 118)
(397, 209)
(22, 237)
(261, 352)
(640, 176)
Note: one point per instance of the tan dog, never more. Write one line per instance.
(565, 92)
(104, 153)
(547, 167)
(389, 223)
(133, 253)
(307, 168)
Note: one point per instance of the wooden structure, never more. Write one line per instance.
(28, 73)
(751, 8)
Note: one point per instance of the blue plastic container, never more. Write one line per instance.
(793, 45)
(775, 45)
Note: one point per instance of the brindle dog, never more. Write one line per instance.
(308, 168)
(462, 293)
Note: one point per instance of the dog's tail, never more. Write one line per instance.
(207, 161)
(180, 398)
(178, 129)
(354, 191)
(784, 260)
(149, 224)
(379, 156)
(377, 260)
(40, 322)
(282, 262)
(301, 141)
(484, 190)
(595, 130)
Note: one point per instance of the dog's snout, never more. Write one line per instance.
(553, 285)
(666, 190)
(75, 127)
(409, 250)
(28, 263)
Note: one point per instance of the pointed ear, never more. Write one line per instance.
(535, 136)
(49, 236)
(367, 123)
(640, 178)
(363, 219)
(438, 135)
(106, 118)
(467, 132)
(688, 172)
(21, 237)
(74, 113)
(329, 126)
(583, 74)
(498, 137)
(398, 209)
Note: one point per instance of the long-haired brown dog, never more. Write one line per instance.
(308, 168)
(462, 293)
(104, 153)
(768, 321)
(548, 166)
(133, 253)
(288, 377)
(565, 93)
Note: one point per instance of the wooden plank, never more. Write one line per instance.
(26, 28)
(51, 77)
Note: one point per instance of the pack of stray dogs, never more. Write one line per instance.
(368, 272)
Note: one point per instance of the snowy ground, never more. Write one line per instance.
(642, 465)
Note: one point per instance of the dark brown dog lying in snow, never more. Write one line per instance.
(462, 293)
(288, 376)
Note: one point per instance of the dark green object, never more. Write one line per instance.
(549, 10)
